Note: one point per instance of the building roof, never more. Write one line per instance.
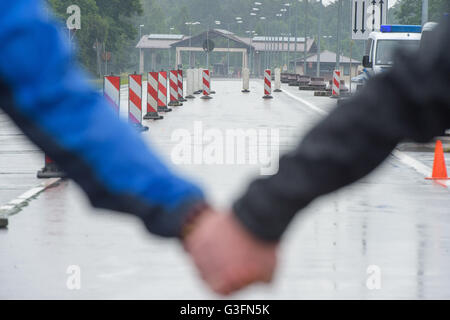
(260, 44)
(197, 40)
(283, 44)
(327, 57)
(159, 41)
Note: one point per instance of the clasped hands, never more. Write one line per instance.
(227, 256)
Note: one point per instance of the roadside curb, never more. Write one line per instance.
(18, 203)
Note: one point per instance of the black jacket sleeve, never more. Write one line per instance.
(411, 101)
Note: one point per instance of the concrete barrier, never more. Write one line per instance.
(245, 80)
(277, 80)
(190, 84)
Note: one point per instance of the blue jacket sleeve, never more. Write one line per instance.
(47, 95)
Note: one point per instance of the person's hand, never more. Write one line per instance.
(227, 255)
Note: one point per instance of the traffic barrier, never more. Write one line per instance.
(206, 85)
(111, 91)
(50, 170)
(190, 84)
(211, 91)
(196, 80)
(152, 97)
(284, 77)
(322, 93)
(292, 80)
(336, 84)
(173, 89)
(343, 88)
(162, 92)
(439, 167)
(277, 80)
(316, 83)
(245, 80)
(200, 80)
(267, 85)
(303, 80)
(180, 86)
(135, 102)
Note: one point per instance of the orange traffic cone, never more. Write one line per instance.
(439, 168)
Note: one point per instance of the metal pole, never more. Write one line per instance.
(295, 38)
(228, 57)
(305, 48)
(190, 46)
(207, 48)
(289, 38)
(319, 38)
(338, 53)
(424, 11)
(351, 57)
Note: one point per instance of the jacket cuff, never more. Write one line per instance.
(170, 224)
(250, 220)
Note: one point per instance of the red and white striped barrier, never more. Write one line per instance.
(206, 85)
(173, 89)
(135, 101)
(336, 84)
(162, 92)
(180, 86)
(267, 84)
(199, 81)
(152, 97)
(111, 91)
(50, 170)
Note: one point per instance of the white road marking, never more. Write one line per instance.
(402, 157)
(310, 105)
(16, 204)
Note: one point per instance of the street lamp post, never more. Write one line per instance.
(283, 10)
(170, 32)
(338, 37)
(288, 5)
(305, 47)
(279, 15)
(265, 40)
(190, 24)
(140, 49)
(424, 12)
(318, 39)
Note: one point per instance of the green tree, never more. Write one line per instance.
(106, 25)
(410, 11)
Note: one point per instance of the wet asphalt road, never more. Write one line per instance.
(394, 220)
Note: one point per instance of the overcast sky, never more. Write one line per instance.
(391, 2)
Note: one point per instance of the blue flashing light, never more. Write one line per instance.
(400, 28)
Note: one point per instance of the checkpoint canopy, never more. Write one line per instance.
(253, 50)
(223, 41)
